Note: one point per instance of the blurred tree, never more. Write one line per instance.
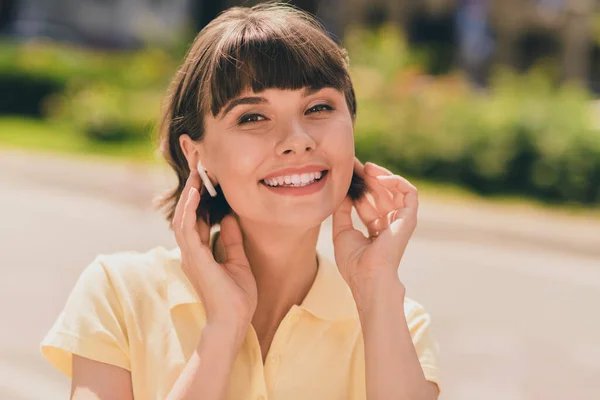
(204, 11)
(576, 35)
(509, 20)
(475, 44)
(7, 13)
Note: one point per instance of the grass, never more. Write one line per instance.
(39, 135)
(44, 136)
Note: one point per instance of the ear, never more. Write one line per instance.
(194, 152)
(191, 150)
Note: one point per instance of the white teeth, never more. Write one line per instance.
(295, 180)
(305, 178)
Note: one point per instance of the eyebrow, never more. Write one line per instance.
(260, 100)
(242, 100)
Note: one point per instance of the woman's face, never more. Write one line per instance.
(283, 157)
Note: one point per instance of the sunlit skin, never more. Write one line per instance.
(271, 256)
(252, 141)
(282, 129)
(270, 263)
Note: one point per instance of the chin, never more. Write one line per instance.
(303, 218)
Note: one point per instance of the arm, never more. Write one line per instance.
(90, 380)
(207, 372)
(393, 370)
(205, 376)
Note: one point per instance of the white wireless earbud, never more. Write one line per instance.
(207, 183)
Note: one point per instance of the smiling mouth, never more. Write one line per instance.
(295, 180)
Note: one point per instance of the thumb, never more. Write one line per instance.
(342, 219)
(231, 237)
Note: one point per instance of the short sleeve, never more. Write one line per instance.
(91, 324)
(419, 324)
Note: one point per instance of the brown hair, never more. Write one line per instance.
(270, 45)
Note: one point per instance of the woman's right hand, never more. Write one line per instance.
(228, 290)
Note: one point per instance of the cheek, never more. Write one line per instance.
(338, 138)
(338, 144)
(239, 159)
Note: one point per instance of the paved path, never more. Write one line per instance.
(514, 296)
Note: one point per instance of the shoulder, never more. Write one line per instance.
(155, 261)
(135, 272)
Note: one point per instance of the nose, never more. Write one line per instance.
(297, 141)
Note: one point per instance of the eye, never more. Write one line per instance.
(249, 118)
(319, 108)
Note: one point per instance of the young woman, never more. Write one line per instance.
(258, 127)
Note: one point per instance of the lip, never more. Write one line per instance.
(296, 171)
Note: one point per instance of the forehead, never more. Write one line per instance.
(283, 67)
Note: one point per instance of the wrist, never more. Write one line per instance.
(231, 336)
(374, 280)
(377, 289)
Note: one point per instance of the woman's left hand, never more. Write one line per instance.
(390, 218)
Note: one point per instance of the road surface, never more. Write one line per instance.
(516, 316)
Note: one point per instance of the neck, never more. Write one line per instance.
(284, 265)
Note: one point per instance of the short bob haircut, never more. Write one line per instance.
(267, 46)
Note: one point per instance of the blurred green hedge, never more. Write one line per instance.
(523, 135)
(108, 96)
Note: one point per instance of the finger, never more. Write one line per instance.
(189, 239)
(367, 205)
(399, 200)
(342, 218)
(383, 199)
(370, 216)
(373, 169)
(231, 237)
(405, 194)
(382, 196)
(411, 200)
(396, 183)
(188, 232)
(359, 168)
(203, 230)
(192, 181)
(405, 219)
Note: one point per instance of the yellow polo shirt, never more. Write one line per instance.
(138, 311)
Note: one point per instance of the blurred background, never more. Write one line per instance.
(490, 106)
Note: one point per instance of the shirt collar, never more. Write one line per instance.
(329, 298)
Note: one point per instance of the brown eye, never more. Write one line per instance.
(319, 108)
(249, 118)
